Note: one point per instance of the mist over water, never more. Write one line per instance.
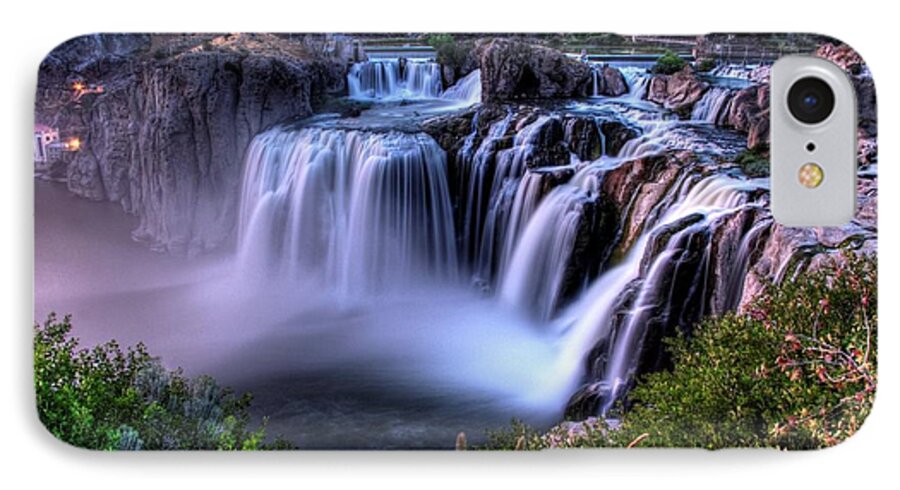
(366, 305)
(409, 368)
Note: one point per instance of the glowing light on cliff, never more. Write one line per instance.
(73, 144)
(80, 89)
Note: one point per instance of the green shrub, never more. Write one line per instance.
(796, 371)
(668, 63)
(450, 52)
(107, 398)
(706, 65)
(755, 162)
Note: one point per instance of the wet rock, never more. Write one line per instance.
(583, 137)
(866, 105)
(617, 133)
(549, 145)
(635, 188)
(748, 112)
(677, 92)
(517, 70)
(611, 82)
(790, 251)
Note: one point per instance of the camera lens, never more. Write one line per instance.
(810, 100)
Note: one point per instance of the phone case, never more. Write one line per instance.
(397, 241)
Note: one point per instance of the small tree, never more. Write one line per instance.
(668, 63)
(107, 398)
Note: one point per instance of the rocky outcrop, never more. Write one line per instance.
(788, 252)
(841, 55)
(611, 82)
(677, 92)
(167, 135)
(516, 70)
(748, 112)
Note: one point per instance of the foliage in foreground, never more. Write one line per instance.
(106, 398)
(797, 371)
(755, 162)
(668, 63)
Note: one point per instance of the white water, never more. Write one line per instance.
(348, 311)
(362, 211)
(467, 89)
(638, 81)
(395, 79)
(534, 278)
(591, 318)
(710, 107)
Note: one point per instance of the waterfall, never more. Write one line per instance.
(476, 165)
(535, 277)
(395, 79)
(651, 142)
(355, 210)
(638, 295)
(709, 108)
(638, 81)
(499, 196)
(467, 89)
(604, 277)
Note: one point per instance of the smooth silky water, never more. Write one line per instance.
(350, 304)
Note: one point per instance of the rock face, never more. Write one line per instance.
(749, 112)
(611, 82)
(678, 92)
(841, 55)
(166, 137)
(515, 70)
(787, 252)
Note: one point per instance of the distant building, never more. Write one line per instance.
(45, 138)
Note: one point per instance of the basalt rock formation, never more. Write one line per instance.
(678, 92)
(749, 113)
(166, 135)
(516, 70)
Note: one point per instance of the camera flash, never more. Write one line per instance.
(811, 175)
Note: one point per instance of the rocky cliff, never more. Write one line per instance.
(164, 121)
(516, 70)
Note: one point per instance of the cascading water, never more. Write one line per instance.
(710, 107)
(638, 81)
(401, 78)
(362, 210)
(467, 89)
(493, 220)
(624, 303)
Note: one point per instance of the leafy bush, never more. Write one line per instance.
(107, 398)
(668, 63)
(755, 162)
(706, 65)
(797, 371)
(450, 52)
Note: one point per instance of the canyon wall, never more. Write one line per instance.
(165, 121)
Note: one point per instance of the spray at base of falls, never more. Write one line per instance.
(368, 212)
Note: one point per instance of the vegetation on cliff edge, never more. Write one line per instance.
(668, 63)
(796, 371)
